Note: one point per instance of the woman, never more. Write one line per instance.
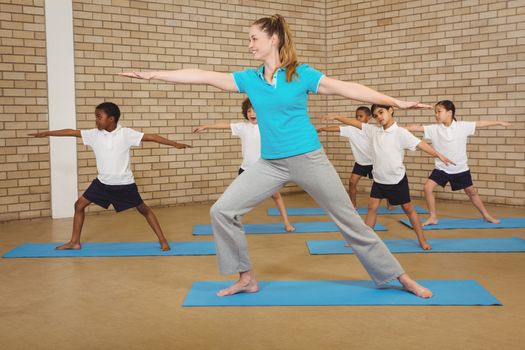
(290, 151)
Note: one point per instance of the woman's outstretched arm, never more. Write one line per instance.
(223, 81)
(355, 91)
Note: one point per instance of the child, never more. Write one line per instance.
(388, 143)
(249, 134)
(360, 149)
(450, 137)
(115, 183)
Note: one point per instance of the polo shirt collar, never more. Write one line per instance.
(105, 132)
(392, 128)
(453, 125)
(260, 73)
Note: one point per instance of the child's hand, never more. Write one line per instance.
(446, 160)
(138, 75)
(199, 129)
(328, 117)
(319, 130)
(38, 134)
(182, 145)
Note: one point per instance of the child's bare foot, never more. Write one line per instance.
(425, 245)
(492, 220)
(68, 246)
(289, 228)
(241, 286)
(430, 221)
(164, 246)
(413, 287)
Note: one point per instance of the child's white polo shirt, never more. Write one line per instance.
(112, 153)
(388, 151)
(250, 142)
(451, 141)
(359, 143)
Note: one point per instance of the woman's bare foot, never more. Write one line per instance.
(491, 219)
(164, 246)
(430, 221)
(288, 227)
(69, 246)
(246, 284)
(413, 287)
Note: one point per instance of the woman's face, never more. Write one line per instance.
(261, 44)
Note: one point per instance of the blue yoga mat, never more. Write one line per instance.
(111, 249)
(451, 224)
(300, 227)
(330, 293)
(465, 245)
(321, 211)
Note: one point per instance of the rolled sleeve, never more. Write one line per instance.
(311, 77)
(87, 136)
(240, 80)
(134, 137)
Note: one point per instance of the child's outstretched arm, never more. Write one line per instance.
(61, 132)
(414, 127)
(488, 123)
(332, 128)
(223, 81)
(355, 91)
(425, 147)
(345, 120)
(159, 139)
(211, 126)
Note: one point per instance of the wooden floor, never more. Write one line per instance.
(135, 303)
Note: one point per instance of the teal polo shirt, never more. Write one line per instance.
(282, 109)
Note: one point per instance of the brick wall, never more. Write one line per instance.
(24, 170)
(471, 52)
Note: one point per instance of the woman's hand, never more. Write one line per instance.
(412, 105)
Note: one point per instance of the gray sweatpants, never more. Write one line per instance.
(315, 174)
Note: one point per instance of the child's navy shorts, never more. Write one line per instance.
(397, 194)
(122, 197)
(362, 170)
(457, 181)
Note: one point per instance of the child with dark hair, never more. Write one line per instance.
(450, 136)
(115, 183)
(360, 146)
(388, 144)
(250, 137)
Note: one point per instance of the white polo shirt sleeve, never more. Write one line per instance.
(345, 131)
(469, 128)
(369, 130)
(429, 131)
(237, 129)
(133, 137)
(408, 140)
(88, 136)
